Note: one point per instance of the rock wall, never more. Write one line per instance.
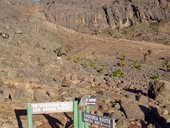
(97, 15)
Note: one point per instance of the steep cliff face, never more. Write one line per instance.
(97, 15)
(77, 14)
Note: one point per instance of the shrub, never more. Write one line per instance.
(118, 73)
(155, 77)
(84, 65)
(121, 63)
(100, 70)
(136, 65)
(167, 68)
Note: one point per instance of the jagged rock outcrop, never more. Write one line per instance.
(97, 15)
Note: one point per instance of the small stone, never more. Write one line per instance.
(99, 113)
(74, 78)
(117, 106)
(165, 111)
(52, 93)
(41, 95)
(74, 93)
(18, 32)
(5, 35)
(103, 99)
(7, 124)
(85, 84)
(115, 114)
(83, 90)
(1, 98)
(21, 96)
(94, 108)
(134, 125)
(7, 27)
(122, 123)
(38, 123)
(12, 74)
(99, 80)
(151, 126)
(5, 91)
(168, 108)
(68, 98)
(104, 107)
(111, 83)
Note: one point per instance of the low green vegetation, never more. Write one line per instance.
(118, 73)
(166, 64)
(137, 65)
(155, 77)
(121, 63)
(85, 63)
(166, 68)
(100, 70)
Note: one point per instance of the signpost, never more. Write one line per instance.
(86, 107)
(90, 101)
(99, 120)
(81, 118)
(53, 107)
(56, 107)
(85, 101)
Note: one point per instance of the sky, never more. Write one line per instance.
(36, 0)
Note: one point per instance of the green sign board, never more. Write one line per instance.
(56, 107)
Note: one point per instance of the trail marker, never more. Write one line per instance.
(98, 120)
(85, 101)
(81, 119)
(56, 107)
(90, 101)
(53, 107)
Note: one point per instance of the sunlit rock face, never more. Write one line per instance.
(97, 15)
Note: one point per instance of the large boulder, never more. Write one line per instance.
(132, 111)
(160, 91)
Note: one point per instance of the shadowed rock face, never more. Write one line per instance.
(97, 15)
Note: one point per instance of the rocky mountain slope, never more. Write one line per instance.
(99, 15)
(44, 62)
(104, 16)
